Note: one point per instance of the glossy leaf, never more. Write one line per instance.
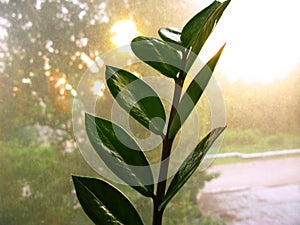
(120, 153)
(137, 98)
(193, 94)
(205, 31)
(193, 27)
(170, 35)
(103, 203)
(190, 164)
(208, 27)
(158, 54)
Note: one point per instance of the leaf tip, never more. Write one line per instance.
(221, 49)
(138, 38)
(75, 180)
(87, 115)
(109, 71)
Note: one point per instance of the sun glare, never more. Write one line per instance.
(262, 47)
(124, 31)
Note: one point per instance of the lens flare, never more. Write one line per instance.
(124, 31)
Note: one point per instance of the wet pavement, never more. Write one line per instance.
(254, 206)
(260, 192)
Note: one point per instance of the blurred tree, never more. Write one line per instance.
(47, 45)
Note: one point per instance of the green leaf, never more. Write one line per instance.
(193, 27)
(120, 153)
(190, 164)
(137, 98)
(205, 30)
(193, 94)
(103, 203)
(170, 35)
(158, 54)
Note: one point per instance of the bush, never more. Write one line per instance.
(36, 189)
(242, 137)
(30, 178)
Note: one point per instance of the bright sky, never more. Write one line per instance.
(123, 32)
(262, 39)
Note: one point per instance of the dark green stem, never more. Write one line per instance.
(167, 146)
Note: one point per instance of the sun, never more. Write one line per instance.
(124, 31)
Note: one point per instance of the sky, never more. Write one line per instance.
(262, 39)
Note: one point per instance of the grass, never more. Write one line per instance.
(254, 141)
(47, 171)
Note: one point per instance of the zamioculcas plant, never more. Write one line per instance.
(173, 56)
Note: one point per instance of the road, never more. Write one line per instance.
(263, 192)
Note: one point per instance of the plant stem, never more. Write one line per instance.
(167, 146)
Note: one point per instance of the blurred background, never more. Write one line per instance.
(45, 48)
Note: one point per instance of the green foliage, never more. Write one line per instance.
(27, 136)
(193, 28)
(118, 149)
(170, 35)
(253, 140)
(56, 33)
(47, 171)
(190, 165)
(184, 205)
(108, 140)
(198, 29)
(193, 94)
(31, 178)
(246, 137)
(144, 106)
(96, 197)
(52, 200)
(158, 54)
